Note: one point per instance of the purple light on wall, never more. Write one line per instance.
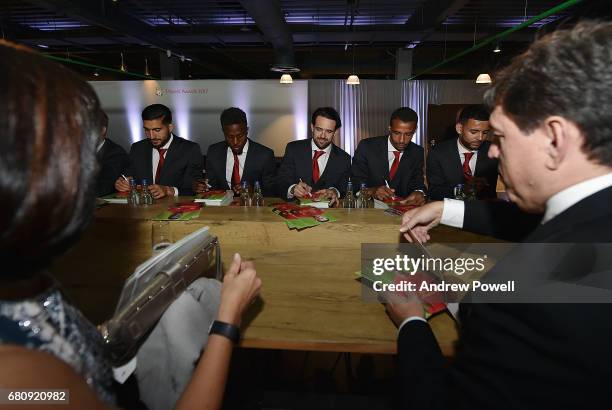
(131, 96)
(300, 109)
(348, 116)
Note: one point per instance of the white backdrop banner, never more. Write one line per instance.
(276, 113)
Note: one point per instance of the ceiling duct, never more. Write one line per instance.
(269, 17)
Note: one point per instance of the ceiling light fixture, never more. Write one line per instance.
(96, 73)
(122, 67)
(168, 53)
(146, 72)
(483, 78)
(286, 79)
(497, 49)
(353, 79)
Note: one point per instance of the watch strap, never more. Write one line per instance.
(232, 332)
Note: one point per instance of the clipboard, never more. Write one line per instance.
(153, 286)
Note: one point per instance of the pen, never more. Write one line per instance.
(309, 194)
(124, 177)
(387, 184)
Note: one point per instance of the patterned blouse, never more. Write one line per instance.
(50, 324)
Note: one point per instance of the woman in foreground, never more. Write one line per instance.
(50, 125)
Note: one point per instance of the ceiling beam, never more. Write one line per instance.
(110, 17)
(433, 13)
(253, 39)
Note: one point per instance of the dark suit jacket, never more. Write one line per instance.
(445, 170)
(297, 163)
(183, 163)
(113, 161)
(371, 166)
(259, 166)
(521, 356)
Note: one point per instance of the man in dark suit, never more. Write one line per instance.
(316, 166)
(392, 165)
(169, 163)
(464, 160)
(238, 158)
(113, 161)
(554, 144)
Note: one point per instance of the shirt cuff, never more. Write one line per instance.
(410, 319)
(175, 191)
(453, 213)
(289, 194)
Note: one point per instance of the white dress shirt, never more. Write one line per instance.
(101, 144)
(454, 210)
(155, 154)
(390, 153)
(464, 150)
(322, 161)
(229, 163)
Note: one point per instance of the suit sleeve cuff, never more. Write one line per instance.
(453, 213)
(410, 319)
(289, 194)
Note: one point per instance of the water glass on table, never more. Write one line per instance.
(161, 236)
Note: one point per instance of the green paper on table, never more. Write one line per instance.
(322, 204)
(301, 217)
(177, 216)
(388, 277)
(308, 222)
(116, 198)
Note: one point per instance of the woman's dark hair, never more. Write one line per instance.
(326, 112)
(50, 124)
(155, 111)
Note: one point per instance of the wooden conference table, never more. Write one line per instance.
(310, 297)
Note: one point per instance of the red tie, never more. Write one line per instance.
(395, 164)
(236, 171)
(160, 164)
(467, 172)
(315, 166)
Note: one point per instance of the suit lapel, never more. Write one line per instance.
(171, 155)
(590, 208)
(482, 159)
(328, 167)
(148, 163)
(455, 164)
(305, 163)
(249, 162)
(221, 164)
(384, 156)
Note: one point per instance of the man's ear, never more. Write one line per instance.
(171, 127)
(558, 134)
(459, 128)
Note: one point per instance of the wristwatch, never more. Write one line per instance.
(225, 329)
